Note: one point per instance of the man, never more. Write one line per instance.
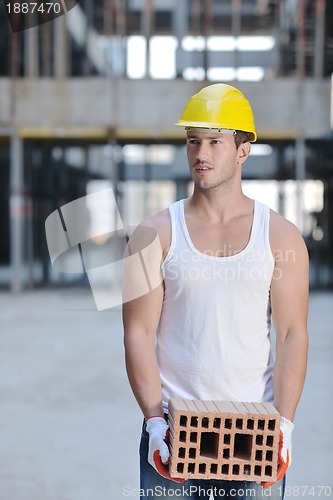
(229, 263)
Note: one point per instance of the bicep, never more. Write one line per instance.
(143, 313)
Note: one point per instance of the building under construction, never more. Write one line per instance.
(89, 101)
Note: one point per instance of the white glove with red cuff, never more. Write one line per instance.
(158, 451)
(284, 459)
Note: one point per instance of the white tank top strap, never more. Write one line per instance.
(176, 212)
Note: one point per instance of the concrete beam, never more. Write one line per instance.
(147, 110)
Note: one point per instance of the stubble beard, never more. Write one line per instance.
(205, 185)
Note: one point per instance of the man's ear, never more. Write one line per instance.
(244, 151)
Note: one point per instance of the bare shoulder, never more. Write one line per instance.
(284, 236)
(159, 221)
(157, 225)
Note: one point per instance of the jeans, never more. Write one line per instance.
(154, 487)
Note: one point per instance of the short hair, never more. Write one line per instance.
(240, 137)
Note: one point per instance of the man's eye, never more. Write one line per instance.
(192, 141)
(215, 141)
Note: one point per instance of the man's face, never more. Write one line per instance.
(213, 158)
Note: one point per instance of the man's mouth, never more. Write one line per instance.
(203, 168)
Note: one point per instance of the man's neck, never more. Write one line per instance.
(217, 206)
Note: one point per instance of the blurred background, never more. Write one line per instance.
(88, 102)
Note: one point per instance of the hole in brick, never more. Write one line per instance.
(226, 439)
(182, 436)
(257, 470)
(180, 467)
(226, 453)
(183, 421)
(261, 424)
(228, 423)
(250, 424)
(247, 469)
(192, 453)
(235, 469)
(181, 453)
(259, 455)
(239, 423)
(268, 470)
(269, 440)
(225, 469)
(194, 421)
(209, 444)
(202, 468)
(271, 425)
(243, 446)
(259, 439)
(269, 456)
(205, 422)
(190, 468)
(217, 423)
(193, 437)
(213, 468)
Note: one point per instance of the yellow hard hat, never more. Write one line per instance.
(219, 106)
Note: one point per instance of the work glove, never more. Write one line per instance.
(158, 451)
(284, 457)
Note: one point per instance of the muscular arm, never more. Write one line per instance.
(289, 301)
(141, 317)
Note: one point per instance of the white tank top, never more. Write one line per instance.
(213, 339)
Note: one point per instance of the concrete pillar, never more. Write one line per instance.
(300, 166)
(46, 48)
(89, 14)
(181, 189)
(31, 66)
(60, 48)
(236, 26)
(16, 213)
(147, 29)
(331, 117)
(180, 26)
(180, 19)
(121, 30)
(319, 42)
(329, 202)
(281, 198)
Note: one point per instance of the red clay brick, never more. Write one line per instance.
(223, 440)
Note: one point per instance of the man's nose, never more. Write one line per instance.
(202, 151)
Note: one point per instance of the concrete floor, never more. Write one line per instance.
(69, 423)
